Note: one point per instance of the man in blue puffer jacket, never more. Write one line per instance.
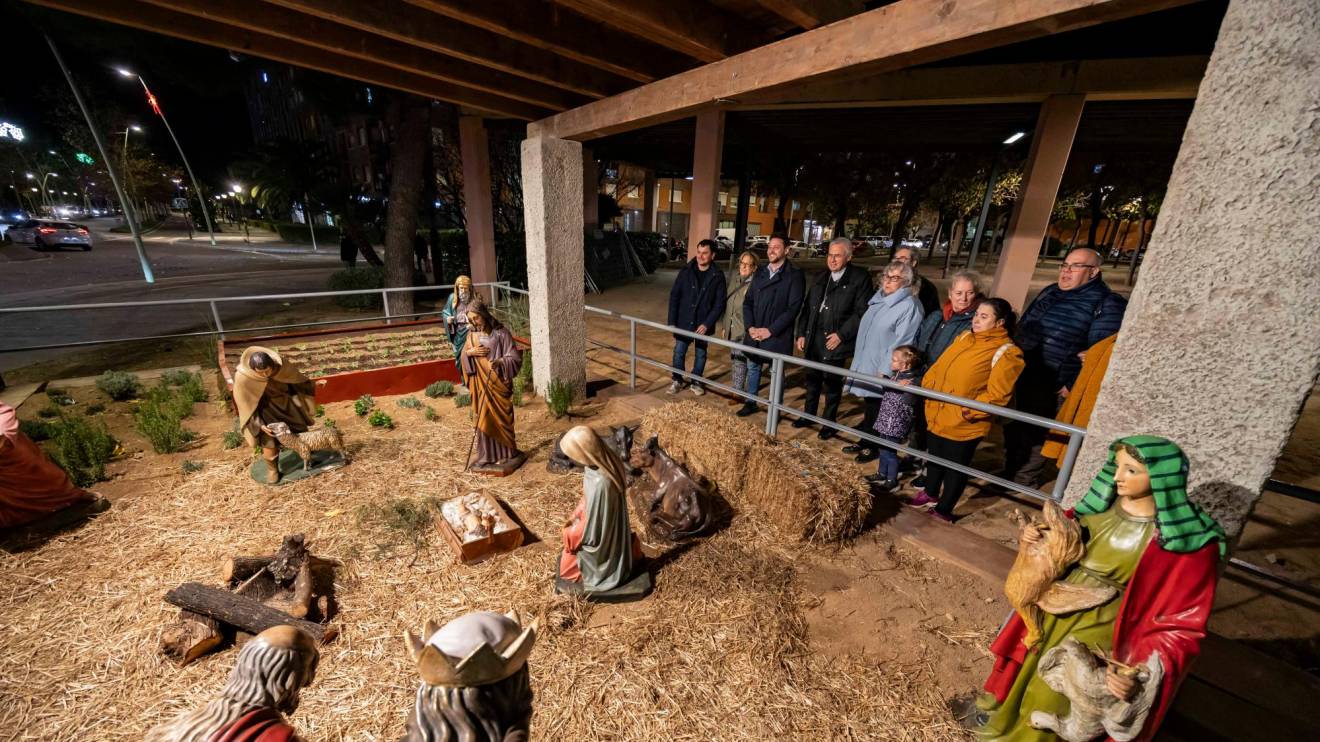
(696, 302)
(1065, 319)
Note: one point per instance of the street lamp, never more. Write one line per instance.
(1012, 139)
(155, 106)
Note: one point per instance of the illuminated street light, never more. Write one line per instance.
(124, 72)
(1015, 136)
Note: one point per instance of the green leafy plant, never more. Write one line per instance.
(82, 449)
(190, 386)
(177, 377)
(558, 397)
(369, 277)
(518, 388)
(329, 422)
(232, 439)
(410, 403)
(438, 389)
(364, 404)
(320, 411)
(525, 371)
(37, 430)
(191, 467)
(48, 411)
(95, 409)
(379, 419)
(431, 416)
(463, 400)
(119, 385)
(59, 397)
(159, 417)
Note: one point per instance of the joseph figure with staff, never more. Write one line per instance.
(490, 360)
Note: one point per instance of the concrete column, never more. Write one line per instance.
(648, 201)
(703, 218)
(552, 211)
(474, 146)
(590, 191)
(1214, 354)
(1050, 146)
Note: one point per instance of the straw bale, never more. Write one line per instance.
(719, 652)
(711, 443)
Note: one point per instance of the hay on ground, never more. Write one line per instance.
(710, 443)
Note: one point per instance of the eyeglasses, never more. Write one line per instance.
(1068, 267)
(893, 278)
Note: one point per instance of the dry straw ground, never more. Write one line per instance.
(719, 652)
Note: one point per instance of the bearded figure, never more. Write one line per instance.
(455, 314)
(264, 686)
(475, 684)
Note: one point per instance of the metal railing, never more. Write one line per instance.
(219, 328)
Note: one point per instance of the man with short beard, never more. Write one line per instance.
(769, 311)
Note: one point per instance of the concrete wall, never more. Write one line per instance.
(1221, 345)
(552, 208)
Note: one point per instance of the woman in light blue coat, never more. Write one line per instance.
(892, 318)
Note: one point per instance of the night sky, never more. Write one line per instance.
(199, 87)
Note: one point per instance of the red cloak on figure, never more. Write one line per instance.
(1165, 609)
(263, 724)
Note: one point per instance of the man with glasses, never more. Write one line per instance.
(1065, 319)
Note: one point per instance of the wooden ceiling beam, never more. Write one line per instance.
(693, 27)
(258, 17)
(150, 18)
(566, 33)
(809, 14)
(412, 25)
(916, 32)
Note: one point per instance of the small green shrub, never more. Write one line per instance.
(37, 430)
(119, 385)
(379, 419)
(558, 397)
(463, 400)
(82, 449)
(525, 371)
(518, 388)
(402, 521)
(431, 416)
(177, 377)
(48, 411)
(59, 397)
(320, 411)
(352, 279)
(364, 404)
(95, 409)
(162, 426)
(191, 467)
(410, 403)
(233, 439)
(189, 385)
(329, 422)
(438, 389)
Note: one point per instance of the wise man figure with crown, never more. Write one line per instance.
(475, 683)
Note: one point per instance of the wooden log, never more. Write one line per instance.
(190, 637)
(242, 567)
(240, 611)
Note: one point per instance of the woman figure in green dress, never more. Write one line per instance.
(1159, 551)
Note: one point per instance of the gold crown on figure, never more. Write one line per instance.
(495, 647)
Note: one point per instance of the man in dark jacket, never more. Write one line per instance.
(827, 327)
(769, 311)
(1064, 320)
(696, 302)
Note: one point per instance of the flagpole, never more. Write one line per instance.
(201, 197)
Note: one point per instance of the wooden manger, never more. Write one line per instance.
(476, 527)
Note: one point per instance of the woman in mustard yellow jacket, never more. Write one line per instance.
(981, 364)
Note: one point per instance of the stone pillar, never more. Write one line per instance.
(552, 210)
(1217, 355)
(590, 191)
(703, 217)
(474, 146)
(648, 201)
(1050, 146)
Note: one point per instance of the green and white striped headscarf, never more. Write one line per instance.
(1183, 526)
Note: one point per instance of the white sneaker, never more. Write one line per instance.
(697, 389)
(675, 387)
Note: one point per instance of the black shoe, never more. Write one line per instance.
(918, 481)
(891, 486)
(867, 456)
(827, 433)
(876, 478)
(748, 408)
(852, 448)
(801, 422)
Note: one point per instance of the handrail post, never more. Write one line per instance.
(385, 302)
(219, 326)
(632, 353)
(1069, 461)
(776, 392)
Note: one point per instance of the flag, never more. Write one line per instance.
(151, 98)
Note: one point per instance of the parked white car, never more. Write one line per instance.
(44, 235)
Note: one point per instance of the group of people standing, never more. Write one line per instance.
(896, 327)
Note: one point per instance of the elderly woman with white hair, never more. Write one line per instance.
(892, 317)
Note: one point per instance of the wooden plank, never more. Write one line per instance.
(915, 32)
(694, 27)
(259, 17)
(566, 33)
(982, 557)
(412, 25)
(149, 18)
(812, 13)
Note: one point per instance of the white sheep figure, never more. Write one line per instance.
(319, 438)
(1076, 672)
